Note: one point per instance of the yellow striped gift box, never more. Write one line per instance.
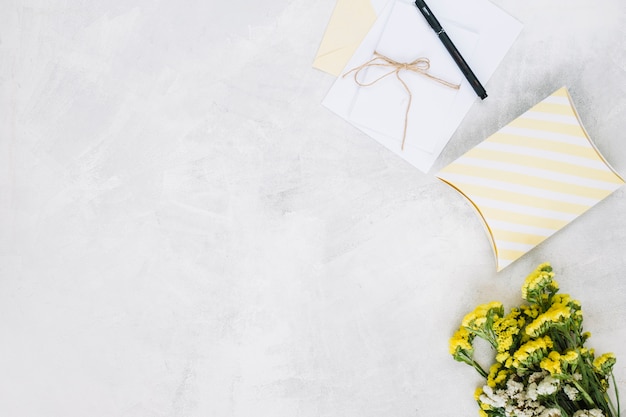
(532, 177)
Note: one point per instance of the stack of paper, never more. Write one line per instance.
(532, 177)
(482, 32)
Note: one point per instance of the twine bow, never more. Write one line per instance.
(419, 66)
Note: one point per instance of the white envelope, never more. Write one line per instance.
(482, 32)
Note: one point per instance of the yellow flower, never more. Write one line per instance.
(561, 299)
(552, 363)
(509, 362)
(460, 341)
(480, 321)
(587, 353)
(506, 329)
(538, 348)
(493, 372)
(478, 317)
(537, 281)
(570, 357)
(604, 364)
(532, 352)
(605, 384)
(531, 311)
(557, 313)
(478, 393)
(502, 377)
(502, 357)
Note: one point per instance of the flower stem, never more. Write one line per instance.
(479, 368)
(616, 412)
(586, 396)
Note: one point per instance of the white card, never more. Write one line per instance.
(382, 106)
(482, 32)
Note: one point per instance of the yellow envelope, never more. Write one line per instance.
(532, 177)
(349, 23)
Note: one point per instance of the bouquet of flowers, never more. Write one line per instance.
(541, 366)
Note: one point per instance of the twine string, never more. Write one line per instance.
(419, 66)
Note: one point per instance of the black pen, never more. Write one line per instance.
(456, 55)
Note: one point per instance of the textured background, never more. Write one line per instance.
(186, 231)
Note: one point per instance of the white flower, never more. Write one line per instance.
(539, 410)
(523, 413)
(577, 377)
(513, 387)
(551, 412)
(594, 412)
(548, 386)
(531, 391)
(492, 398)
(571, 392)
(536, 376)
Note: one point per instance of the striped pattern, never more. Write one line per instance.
(533, 177)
